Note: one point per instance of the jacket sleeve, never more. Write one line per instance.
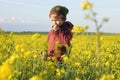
(65, 36)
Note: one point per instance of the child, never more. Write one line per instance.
(60, 32)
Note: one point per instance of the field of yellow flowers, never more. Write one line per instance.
(20, 58)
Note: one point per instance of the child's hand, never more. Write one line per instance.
(55, 28)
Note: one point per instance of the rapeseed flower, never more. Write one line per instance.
(5, 71)
(12, 58)
(77, 78)
(107, 77)
(35, 78)
(86, 5)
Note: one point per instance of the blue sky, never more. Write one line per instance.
(32, 15)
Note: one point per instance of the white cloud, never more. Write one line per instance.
(1, 20)
(9, 20)
(20, 3)
(13, 18)
(23, 21)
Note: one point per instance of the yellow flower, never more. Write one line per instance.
(65, 58)
(81, 30)
(35, 56)
(97, 65)
(62, 71)
(20, 47)
(76, 27)
(17, 47)
(57, 70)
(35, 36)
(58, 44)
(35, 78)
(12, 58)
(107, 63)
(22, 50)
(110, 55)
(27, 53)
(89, 6)
(58, 74)
(77, 78)
(77, 64)
(86, 27)
(49, 63)
(86, 5)
(107, 77)
(108, 49)
(5, 71)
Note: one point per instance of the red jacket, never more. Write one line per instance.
(62, 36)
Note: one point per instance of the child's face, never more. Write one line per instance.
(56, 20)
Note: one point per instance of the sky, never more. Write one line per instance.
(33, 15)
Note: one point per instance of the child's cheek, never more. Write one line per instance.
(53, 23)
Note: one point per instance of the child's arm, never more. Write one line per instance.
(66, 35)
